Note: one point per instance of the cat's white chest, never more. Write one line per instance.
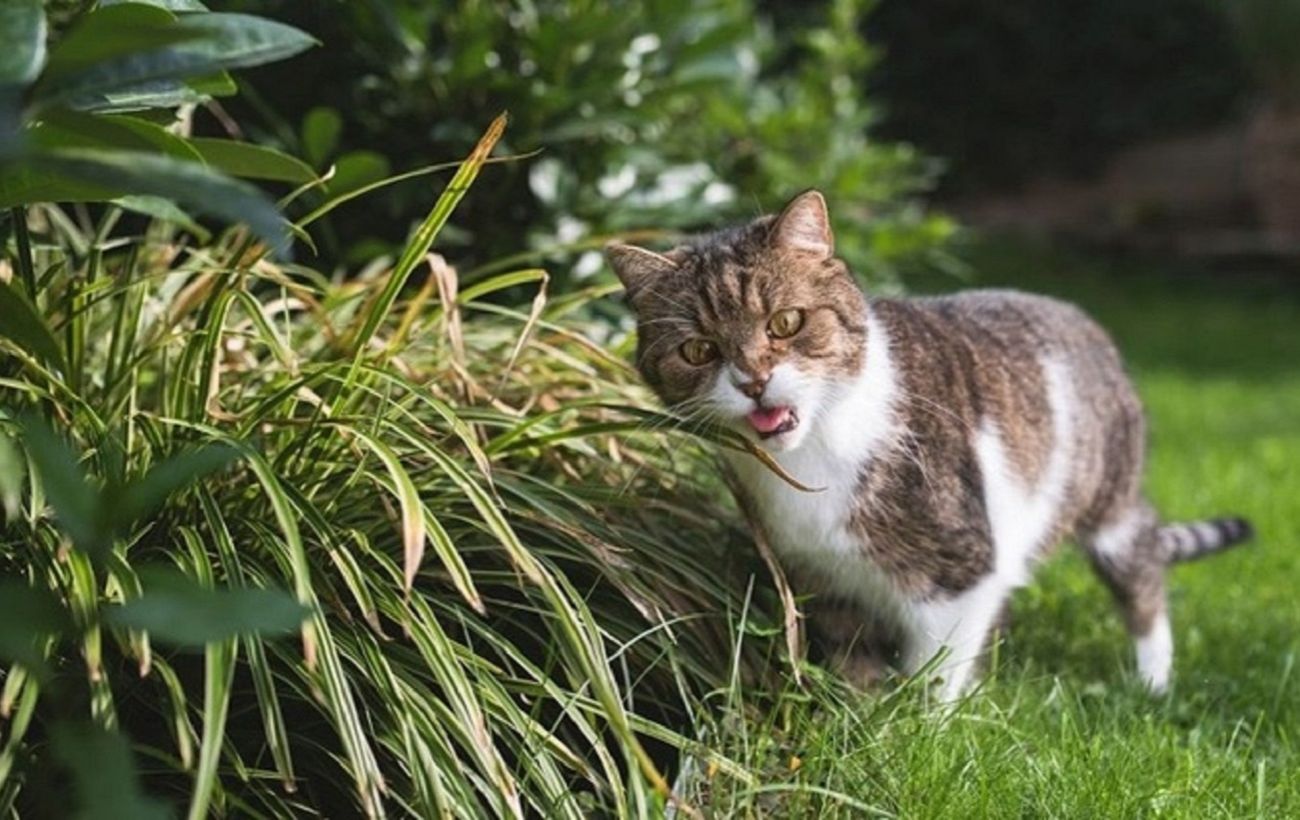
(811, 531)
(803, 525)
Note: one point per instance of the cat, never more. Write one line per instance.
(950, 441)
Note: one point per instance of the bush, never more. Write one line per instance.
(510, 593)
(654, 114)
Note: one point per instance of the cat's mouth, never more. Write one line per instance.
(772, 421)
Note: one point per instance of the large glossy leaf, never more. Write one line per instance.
(242, 159)
(173, 5)
(200, 189)
(164, 210)
(143, 97)
(104, 776)
(74, 129)
(22, 31)
(217, 42)
(21, 184)
(24, 327)
(28, 616)
(110, 33)
(177, 611)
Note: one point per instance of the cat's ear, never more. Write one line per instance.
(805, 226)
(637, 267)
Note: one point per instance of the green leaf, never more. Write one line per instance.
(355, 169)
(164, 210)
(422, 240)
(175, 610)
(24, 327)
(134, 501)
(12, 471)
(27, 617)
(104, 776)
(143, 97)
(63, 128)
(242, 159)
(22, 30)
(111, 33)
(218, 677)
(211, 43)
(171, 5)
(75, 501)
(220, 84)
(20, 184)
(130, 172)
(320, 135)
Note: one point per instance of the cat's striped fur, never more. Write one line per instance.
(953, 440)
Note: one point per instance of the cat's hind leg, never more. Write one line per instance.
(1124, 549)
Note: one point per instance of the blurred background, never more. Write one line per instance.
(1166, 125)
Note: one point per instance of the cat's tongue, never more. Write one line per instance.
(766, 420)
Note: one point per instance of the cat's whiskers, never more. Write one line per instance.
(648, 353)
(699, 410)
(658, 293)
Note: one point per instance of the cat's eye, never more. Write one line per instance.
(699, 351)
(785, 323)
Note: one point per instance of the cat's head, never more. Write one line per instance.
(759, 327)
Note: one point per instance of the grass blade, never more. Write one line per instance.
(427, 232)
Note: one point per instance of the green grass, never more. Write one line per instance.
(1060, 728)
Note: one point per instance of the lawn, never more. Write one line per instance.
(1060, 728)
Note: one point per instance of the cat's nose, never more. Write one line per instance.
(753, 388)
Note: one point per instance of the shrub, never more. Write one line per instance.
(654, 114)
(515, 592)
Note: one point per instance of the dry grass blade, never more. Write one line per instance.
(792, 619)
(413, 532)
(770, 463)
(534, 314)
(444, 276)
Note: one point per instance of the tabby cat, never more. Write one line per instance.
(951, 441)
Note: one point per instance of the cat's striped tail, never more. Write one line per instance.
(1197, 539)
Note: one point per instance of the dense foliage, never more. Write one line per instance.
(652, 114)
(512, 594)
(1005, 89)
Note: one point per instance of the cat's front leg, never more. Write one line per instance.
(956, 625)
(854, 643)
